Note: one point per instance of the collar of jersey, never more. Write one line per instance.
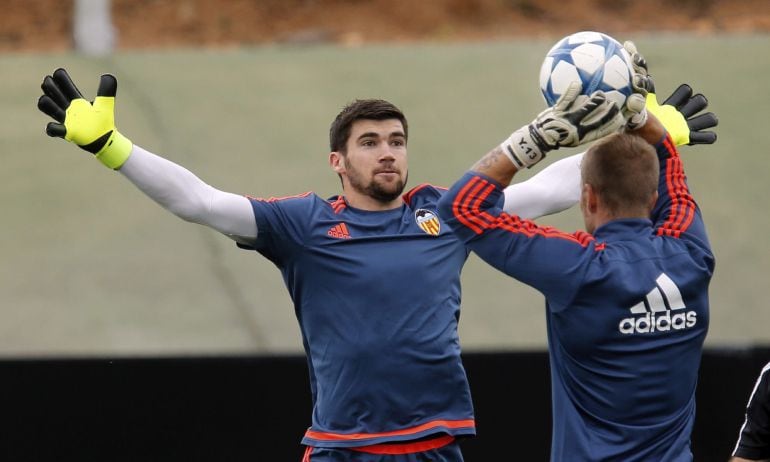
(396, 211)
(614, 229)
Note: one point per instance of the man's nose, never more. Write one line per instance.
(386, 153)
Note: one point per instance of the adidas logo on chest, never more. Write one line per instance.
(662, 310)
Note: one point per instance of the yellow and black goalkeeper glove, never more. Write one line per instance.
(90, 125)
(678, 115)
(678, 111)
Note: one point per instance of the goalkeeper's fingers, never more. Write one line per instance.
(637, 60)
(52, 90)
(66, 85)
(568, 97)
(49, 107)
(694, 105)
(56, 129)
(679, 97)
(108, 86)
(702, 138)
(707, 120)
(697, 124)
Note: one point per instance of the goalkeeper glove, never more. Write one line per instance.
(678, 115)
(572, 121)
(678, 111)
(634, 108)
(89, 125)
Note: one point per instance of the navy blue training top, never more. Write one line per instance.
(377, 297)
(627, 314)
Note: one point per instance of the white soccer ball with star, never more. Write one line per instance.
(596, 60)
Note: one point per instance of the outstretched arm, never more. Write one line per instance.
(185, 195)
(91, 126)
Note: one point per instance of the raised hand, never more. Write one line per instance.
(679, 113)
(90, 126)
(574, 120)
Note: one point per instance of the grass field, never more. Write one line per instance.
(90, 266)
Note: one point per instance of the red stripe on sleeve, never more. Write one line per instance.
(467, 209)
(516, 225)
(682, 210)
(475, 207)
(460, 207)
(677, 218)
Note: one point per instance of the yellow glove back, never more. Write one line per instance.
(675, 123)
(90, 126)
(678, 115)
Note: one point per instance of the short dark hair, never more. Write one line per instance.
(366, 109)
(623, 169)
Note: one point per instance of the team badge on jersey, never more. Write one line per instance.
(427, 221)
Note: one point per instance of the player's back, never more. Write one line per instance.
(625, 353)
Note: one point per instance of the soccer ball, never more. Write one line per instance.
(596, 60)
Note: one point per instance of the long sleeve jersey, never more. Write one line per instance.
(627, 314)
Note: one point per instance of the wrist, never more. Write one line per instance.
(115, 151)
(524, 148)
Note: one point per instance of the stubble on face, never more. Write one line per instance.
(377, 187)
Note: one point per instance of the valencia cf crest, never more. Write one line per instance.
(427, 221)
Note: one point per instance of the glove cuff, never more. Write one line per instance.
(115, 151)
(522, 149)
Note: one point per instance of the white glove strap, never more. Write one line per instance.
(637, 120)
(521, 149)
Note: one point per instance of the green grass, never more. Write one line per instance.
(90, 266)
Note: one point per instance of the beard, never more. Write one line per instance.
(381, 191)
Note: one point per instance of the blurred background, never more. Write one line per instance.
(242, 93)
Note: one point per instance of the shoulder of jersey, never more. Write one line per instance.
(423, 192)
(282, 198)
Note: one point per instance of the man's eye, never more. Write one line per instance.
(397, 142)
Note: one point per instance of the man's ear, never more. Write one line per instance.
(336, 162)
(591, 198)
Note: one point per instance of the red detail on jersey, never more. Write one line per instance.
(338, 205)
(274, 199)
(466, 208)
(325, 436)
(406, 448)
(306, 456)
(599, 247)
(409, 194)
(339, 231)
(682, 204)
(468, 214)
